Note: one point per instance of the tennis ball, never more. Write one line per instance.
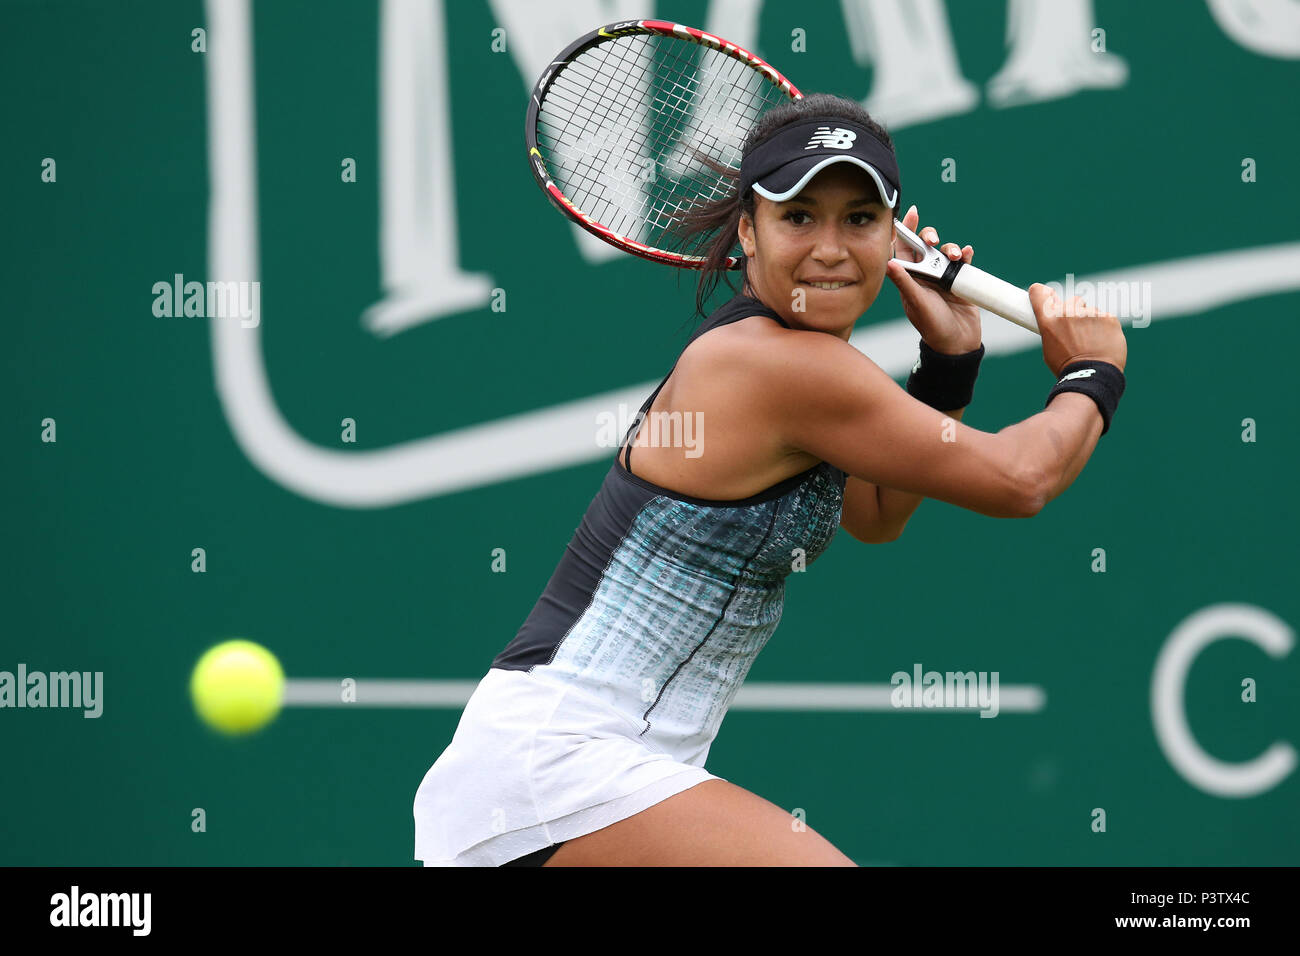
(237, 687)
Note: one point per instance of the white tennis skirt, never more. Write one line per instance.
(535, 761)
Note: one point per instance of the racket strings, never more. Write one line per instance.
(610, 158)
(632, 129)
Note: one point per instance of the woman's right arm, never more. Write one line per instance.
(828, 399)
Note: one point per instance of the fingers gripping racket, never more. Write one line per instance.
(632, 124)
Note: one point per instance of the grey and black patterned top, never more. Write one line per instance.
(662, 601)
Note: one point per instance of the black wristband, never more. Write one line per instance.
(945, 382)
(1100, 381)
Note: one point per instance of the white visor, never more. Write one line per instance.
(890, 199)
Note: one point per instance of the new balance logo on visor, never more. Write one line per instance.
(837, 138)
(1082, 373)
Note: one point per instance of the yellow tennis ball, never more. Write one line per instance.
(237, 687)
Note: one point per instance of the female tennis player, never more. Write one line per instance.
(585, 743)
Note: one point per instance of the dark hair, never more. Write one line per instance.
(722, 215)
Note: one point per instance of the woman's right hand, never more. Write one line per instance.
(1075, 332)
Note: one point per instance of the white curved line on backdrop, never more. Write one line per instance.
(561, 435)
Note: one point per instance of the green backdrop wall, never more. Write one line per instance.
(1153, 151)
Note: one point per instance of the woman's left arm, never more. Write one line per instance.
(949, 325)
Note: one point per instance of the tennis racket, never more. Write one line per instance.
(627, 124)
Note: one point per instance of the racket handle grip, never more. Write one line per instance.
(1001, 298)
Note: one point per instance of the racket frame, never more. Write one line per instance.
(605, 34)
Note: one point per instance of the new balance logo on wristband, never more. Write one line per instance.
(1082, 373)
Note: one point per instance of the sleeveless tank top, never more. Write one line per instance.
(662, 601)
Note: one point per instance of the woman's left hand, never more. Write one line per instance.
(948, 324)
